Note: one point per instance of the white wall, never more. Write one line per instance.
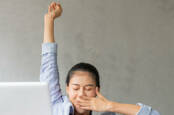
(129, 41)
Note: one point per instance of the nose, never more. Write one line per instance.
(81, 92)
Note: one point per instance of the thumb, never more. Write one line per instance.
(98, 93)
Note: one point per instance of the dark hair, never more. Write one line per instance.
(87, 68)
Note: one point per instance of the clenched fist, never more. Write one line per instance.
(54, 10)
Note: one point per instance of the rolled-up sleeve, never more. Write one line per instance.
(49, 71)
(146, 110)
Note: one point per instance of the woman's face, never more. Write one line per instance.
(81, 84)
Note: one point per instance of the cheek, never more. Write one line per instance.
(91, 93)
(72, 94)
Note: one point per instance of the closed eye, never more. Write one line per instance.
(75, 88)
(88, 88)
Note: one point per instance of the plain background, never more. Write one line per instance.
(129, 41)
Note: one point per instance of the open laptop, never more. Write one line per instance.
(24, 98)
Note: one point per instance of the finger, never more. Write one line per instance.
(58, 6)
(98, 93)
(86, 108)
(49, 9)
(53, 4)
(83, 104)
(85, 98)
(82, 100)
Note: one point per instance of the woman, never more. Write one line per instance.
(82, 83)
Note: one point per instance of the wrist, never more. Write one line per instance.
(113, 106)
(48, 18)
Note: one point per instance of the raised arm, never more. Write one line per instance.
(54, 11)
(49, 69)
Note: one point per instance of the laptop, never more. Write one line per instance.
(24, 98)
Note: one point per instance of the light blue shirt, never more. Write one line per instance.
(49, 73)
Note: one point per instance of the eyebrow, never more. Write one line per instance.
(85, 85)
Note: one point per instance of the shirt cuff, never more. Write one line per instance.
(49, 48)
(144, 110)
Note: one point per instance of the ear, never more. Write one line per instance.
(97, 89)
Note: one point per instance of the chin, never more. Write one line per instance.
(80, 111)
